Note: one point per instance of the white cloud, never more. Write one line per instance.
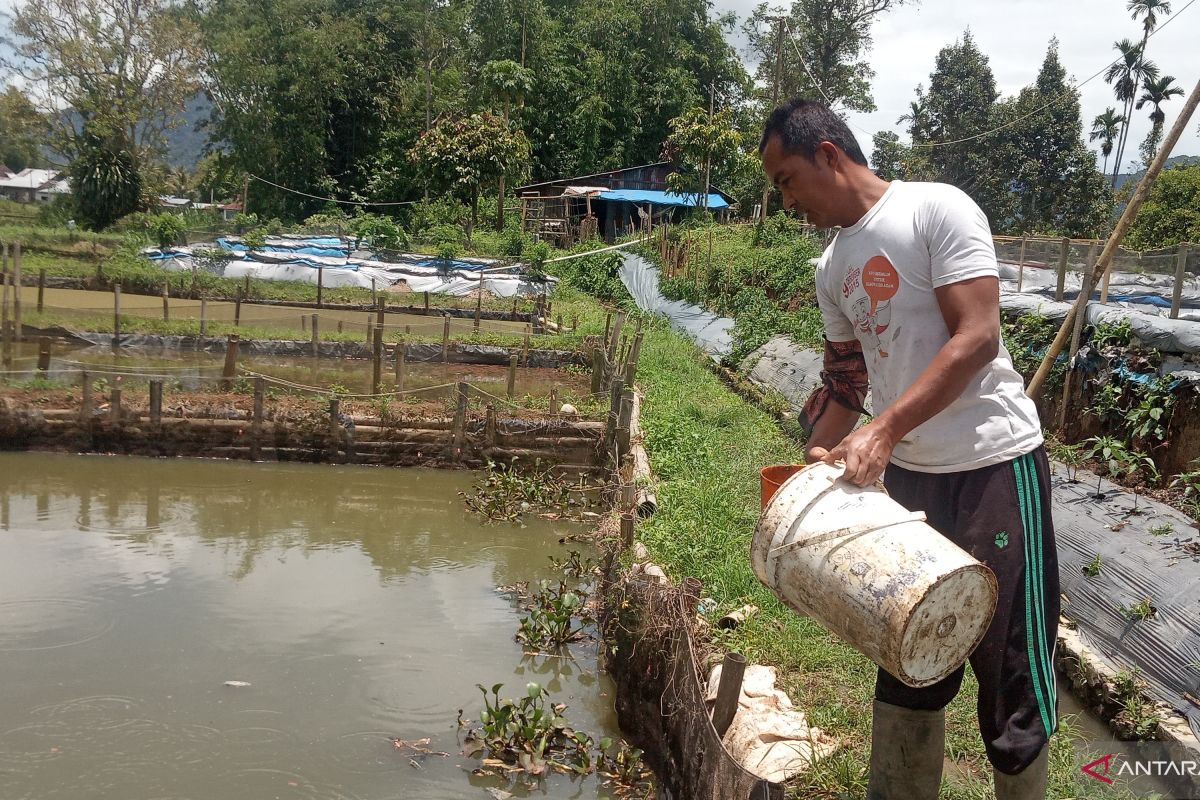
(1014, 35)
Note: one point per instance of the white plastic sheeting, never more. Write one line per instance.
(336, 271)
(711, 332)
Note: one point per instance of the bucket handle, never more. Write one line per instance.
(854, 530)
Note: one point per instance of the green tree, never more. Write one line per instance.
(1171, 213)
(1156, 91)
(702, 147)
(1053, 183)
(824, 49)
(888, 156)
(1106, 128)
(465, 154)
(958, 115)
(123, 70)
(1125, 75)
(23, 131)
(508, 82)
(105, 181)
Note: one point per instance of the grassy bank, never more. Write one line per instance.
(706, 446)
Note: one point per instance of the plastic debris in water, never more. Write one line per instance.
(237, 684)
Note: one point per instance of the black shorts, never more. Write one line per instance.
(1001, 516)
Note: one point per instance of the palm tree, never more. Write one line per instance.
(1150, 9)
(1126, 74)
(1156, 92)
(1105, 128)
(917, 119)
(508, 82)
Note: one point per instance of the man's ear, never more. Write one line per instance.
(830, 154)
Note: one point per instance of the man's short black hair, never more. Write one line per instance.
(802, 125)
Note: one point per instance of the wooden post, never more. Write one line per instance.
(316, 335)
(631, 364)
(116, 341)
(614, 411)
(553, 403)
(623, 420)
(237, 311)
(41, 301)
(1063, 253)
(203, 317)
(615, 342)
(5, 330)
(166, 300)
(400, 348)
(114, 407)
(1180, 274)
(460, 420)
(525, 351)
(85, 399)
(246, 286)
(230, 370)
(558, 324)
(339, 326)
(489, 427)
(373, 296)
(156, 399)
(608, 318)
(597, 370)
(380, 313)
(479, 301)
(445, 338)
(427, 302)
(1091, 265)
(627, 528)
(729, 690)
(514, 311)
(43, 362)
(335, 426)
(256, 419)
(320, 287)
(370, 330)
(377, 362)
(16, 280)
(1021, 265)
(574, 322)
(304, 323)
(628, 496)
(512, 375)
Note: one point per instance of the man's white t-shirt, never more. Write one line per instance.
(875, 283)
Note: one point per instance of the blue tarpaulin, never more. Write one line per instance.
(656, 198)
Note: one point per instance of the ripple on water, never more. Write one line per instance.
(49, 623)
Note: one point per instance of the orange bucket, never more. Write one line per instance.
(772, 477)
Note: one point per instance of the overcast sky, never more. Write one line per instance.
(1013, 34)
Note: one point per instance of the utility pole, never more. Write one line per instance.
(766, 198)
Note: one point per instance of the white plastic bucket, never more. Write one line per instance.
(873, 573)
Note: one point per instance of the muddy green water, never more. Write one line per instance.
(359, 604)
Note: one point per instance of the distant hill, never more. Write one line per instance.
(185, 143)
(1173, 161)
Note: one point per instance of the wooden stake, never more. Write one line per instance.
(1180, 274)
(114, 407)
(445, 338)
(237, 311)
(427, 302)
(553, 402)
(512, 376)
(43, 362)
(1064, 253)
(16, 280)
(156, 399)
(116, 341)
(729, 691)
(460, 420)
(85, 398)
(231, 355)
(166, 300)
(627, 529)
(1021, 266)
(41, 296)
(203, 317)
(597, 370)
(260, 394)
(489, 426)
(377, 362)
(304, 323)
(525, 356)
(400, 366)
(479, 301)
(320, 287)
(316, 334)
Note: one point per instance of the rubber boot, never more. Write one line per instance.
(906, 753)
(1028, 784)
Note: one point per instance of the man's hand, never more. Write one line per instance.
(866, 453)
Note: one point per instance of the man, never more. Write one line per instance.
(909, 294)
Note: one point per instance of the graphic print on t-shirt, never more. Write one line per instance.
(872, 313)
